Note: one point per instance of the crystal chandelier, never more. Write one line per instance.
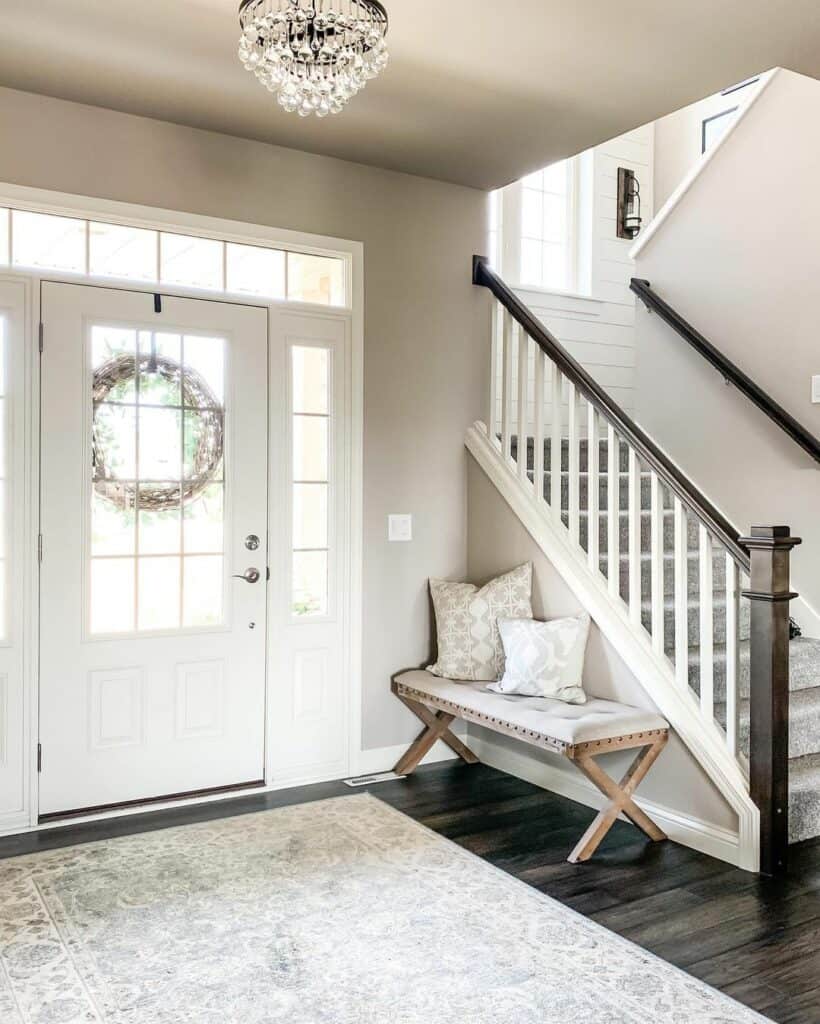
(313, 54)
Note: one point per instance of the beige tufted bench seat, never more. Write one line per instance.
(579, 732)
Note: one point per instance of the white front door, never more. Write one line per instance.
(154, 546)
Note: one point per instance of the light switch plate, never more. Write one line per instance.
(400, 529)
(815, 390)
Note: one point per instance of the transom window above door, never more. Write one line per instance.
(157, 496)
(39, 241)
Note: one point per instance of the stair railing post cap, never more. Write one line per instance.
(762, 537)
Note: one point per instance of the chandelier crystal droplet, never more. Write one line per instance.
(315, 55)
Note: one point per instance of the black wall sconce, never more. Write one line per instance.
(629, 204)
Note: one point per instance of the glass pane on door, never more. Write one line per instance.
(158, 494)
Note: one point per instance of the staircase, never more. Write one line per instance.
(699, 612)
(804, 671)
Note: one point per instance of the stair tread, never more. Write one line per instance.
(804, 773)
(804, 660)
(692, 603)
(804, 797)
(623, 513)
(802, 704)
(804, 722)
(646, 556)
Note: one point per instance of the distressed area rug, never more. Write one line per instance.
(339, 912)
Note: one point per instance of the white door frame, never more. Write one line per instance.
(43, 201)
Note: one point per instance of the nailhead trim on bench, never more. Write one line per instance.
(530, 735)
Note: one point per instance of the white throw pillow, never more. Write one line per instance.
(469, 646)
(544, 659)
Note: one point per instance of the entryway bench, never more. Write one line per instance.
(579, 732)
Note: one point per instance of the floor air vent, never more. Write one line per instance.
(373, 780)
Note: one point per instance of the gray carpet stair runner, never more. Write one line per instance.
(804, 738)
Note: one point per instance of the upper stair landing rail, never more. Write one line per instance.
(658, 564)
(727, 369)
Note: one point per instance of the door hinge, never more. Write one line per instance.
(39, 547)
(39, 757)
(40, 337)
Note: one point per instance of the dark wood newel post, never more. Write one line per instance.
(770, 549)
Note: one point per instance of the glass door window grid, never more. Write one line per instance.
(311, 491)
(156, 505)
(537, 220)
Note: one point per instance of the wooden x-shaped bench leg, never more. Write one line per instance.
(437, 727)
(620, 799)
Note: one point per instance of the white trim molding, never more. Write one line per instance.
(651, 668)
(688, 182)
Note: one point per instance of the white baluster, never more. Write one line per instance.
(732, 635)
(593, 495)
(506, 392)
(538, 426)
(523, 400)
(681, 596)
(556, 442)
(634, 538)
(613, 522)
(707, 625)
(656, 563)
(574, 462)
(495, 354)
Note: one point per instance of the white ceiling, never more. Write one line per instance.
(478, 91)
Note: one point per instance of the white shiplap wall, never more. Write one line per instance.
(599, 329)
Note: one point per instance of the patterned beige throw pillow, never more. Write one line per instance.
(469, 645)
(544, 659)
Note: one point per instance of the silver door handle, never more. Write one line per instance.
(249, 576)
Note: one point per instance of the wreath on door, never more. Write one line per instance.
(204, 433)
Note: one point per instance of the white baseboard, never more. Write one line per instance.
(682, 828)
(382, 759)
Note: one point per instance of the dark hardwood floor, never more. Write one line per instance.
(756, 939)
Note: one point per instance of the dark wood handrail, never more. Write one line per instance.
(727, 369)
(715, 522)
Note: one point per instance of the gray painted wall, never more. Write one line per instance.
(738, 258)
(497, 541)
(426, 326)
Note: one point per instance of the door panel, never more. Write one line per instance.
(154, 474)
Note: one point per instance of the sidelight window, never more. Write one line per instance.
(5, 469)
(310, 478)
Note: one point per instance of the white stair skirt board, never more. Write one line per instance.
(525, 763)
(651, 668)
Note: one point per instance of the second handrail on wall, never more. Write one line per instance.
(727, 369)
